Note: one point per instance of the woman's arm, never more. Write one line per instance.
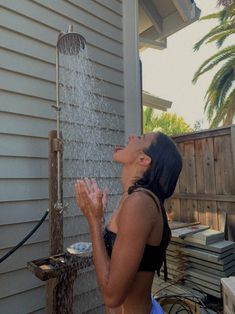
(115, 276)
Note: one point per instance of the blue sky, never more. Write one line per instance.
(168, 73)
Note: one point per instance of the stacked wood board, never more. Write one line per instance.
(200, 258)
(175, 262)
(207, 266)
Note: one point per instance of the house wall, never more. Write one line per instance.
(29, 35)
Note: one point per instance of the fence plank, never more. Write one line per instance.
(199, 147)
(207, 182)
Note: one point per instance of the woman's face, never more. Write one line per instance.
(134, 148)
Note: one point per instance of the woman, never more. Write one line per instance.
(133, 245)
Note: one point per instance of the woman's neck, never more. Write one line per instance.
(129, 177)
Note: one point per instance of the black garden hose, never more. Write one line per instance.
(25, 238)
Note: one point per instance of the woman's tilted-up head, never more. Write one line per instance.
(164, 169)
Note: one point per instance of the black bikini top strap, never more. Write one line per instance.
(151, 194)
(157, 202)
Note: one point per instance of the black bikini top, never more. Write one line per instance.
(154, 256)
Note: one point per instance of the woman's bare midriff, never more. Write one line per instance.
(138, 300)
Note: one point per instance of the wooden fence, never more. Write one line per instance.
(205, 191)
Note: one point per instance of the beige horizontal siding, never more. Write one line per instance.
(19, 259)
(23, 146)
(40, 311)
(36, 127)
(28, 168)
(15, 167)
(35, 147)
(26, 105)
(37, 107)
(90, 7)
(35, 189)
(45, 51)
(10, 282)
(27, 77)
(24, 302)
(11, 234)
(48, 35)
(81, 303)
(47, 13)
(85, 282)
(32, 251)
(113, 5)
(23, 189)
(13, 212)
(24, 127)
(46, 71)
(29, 85)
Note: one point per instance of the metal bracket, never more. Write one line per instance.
(57, 145)
(60, 207)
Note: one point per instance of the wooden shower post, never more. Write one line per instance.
(56, 244)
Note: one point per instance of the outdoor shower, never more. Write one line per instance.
(59, 269)
(69, 43)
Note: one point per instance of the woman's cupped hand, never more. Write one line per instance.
(91, 200)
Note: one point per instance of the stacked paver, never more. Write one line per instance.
(201, 257)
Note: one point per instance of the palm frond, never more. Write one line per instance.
(225, 70)
(225, 90)
(224, 16)
(215, 97)
(225, 3)
(211, 33)
(217, 15)
(226, 112)
(220, 38)
(215, 59)
(222, 75)
(218, 118)
(218, 93)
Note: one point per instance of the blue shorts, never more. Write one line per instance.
(156, 307)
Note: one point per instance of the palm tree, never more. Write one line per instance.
(225, 3)
(220, 96)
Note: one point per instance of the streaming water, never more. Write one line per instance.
(91, 128)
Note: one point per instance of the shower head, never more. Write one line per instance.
(70, 43)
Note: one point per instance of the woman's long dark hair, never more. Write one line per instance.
(161, 178)
(166, 165)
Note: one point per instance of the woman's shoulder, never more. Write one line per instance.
(145, 195)
(140, 203)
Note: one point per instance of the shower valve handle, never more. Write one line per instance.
(60, 206)
(57, 108)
